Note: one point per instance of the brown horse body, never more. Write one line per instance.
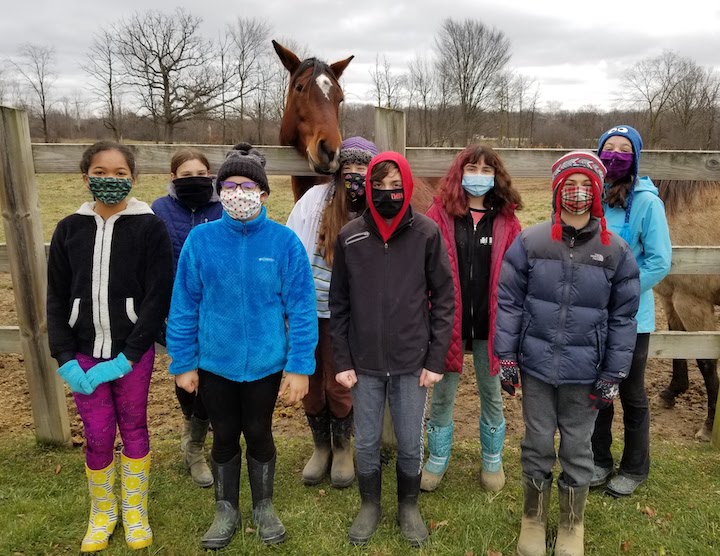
(691, 208)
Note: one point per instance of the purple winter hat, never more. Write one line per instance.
(357, 150)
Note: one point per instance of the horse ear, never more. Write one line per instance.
(339, 67)
(287, 57)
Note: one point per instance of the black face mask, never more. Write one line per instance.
(388, 202)
(355, 189)
(194, 192)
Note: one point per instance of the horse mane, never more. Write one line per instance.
(318, 67)
(682, 194)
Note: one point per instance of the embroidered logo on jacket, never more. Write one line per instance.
(597, 257)
(266, 260)
(357, 237)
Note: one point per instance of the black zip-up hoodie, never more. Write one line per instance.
(391, 298)
(109, 283)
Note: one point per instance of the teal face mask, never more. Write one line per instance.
(109, 191)
(477, 185)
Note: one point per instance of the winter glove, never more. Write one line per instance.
(603, 393)
(509, 375)
(75, 377)
(108, 371)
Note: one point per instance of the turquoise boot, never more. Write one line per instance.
(439, 446)
(492, 476)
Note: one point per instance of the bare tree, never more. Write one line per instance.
(169, 66)
(650, 85)
(422, 95)
(387, 85)
(37, 68)
(249, 47)
(470, 56)
(103, 66)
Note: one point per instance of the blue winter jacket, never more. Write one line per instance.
(566, 308)
(649, 239)
(179, 219)
(243, 302)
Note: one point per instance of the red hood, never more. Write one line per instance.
(407, 182)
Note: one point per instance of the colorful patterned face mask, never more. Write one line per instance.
(576, 199)
(240, 203)
(109, 191)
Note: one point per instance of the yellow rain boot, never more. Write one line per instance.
(103, 508)
(135, 483)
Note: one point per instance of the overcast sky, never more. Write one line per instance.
(576, 51)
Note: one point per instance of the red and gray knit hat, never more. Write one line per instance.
(579, 162)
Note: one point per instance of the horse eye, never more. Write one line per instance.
(299, 87)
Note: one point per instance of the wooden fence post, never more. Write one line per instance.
(28, 268)
(389, 136)
(390, 130)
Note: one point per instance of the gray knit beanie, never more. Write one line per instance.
(244, 160)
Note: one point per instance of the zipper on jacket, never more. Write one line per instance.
(384, 332)
(192, 218)
(563, 312)
(101, 329)
(471, 258)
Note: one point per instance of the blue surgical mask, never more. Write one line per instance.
(477, 185)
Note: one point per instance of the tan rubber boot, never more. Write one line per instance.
(194, 453)
(571, 529)
(534, 521)
(342, 472)
(185, 434)
(319, 463)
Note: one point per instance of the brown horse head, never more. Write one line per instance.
(310, 120)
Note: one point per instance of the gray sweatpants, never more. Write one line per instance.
(546, 408)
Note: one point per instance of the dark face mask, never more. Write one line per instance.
(618, 164)
(194, 192)
(355, 190)
(388, 202)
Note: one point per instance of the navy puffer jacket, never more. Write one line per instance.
(179, 219)
(566, 309)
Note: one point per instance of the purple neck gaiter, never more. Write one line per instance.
(618, 164)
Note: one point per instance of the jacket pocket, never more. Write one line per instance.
(599, 348)
(130, 310)
(74, 312)
(521, 341)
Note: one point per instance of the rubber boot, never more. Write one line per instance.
(103, 508)
(185, 434)
(411, 523)
(492, 475)
(342, 472)
(319, 463)
(439, 447)
(135, 482)
(262, 478)
(571, 529)
(194, 455)
(535, 511)
(368, 519)
(227, 513)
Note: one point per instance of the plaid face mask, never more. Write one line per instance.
(109, 191)
(576, 199)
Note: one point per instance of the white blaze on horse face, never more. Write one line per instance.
(325, 84)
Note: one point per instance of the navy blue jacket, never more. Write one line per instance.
(566, 309)
(179, 219)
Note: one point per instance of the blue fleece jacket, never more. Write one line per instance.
(649, 239)
(243, 303)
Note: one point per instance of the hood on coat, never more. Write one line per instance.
(386, 230)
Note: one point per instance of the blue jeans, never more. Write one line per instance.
(407, 400)
(491, 409)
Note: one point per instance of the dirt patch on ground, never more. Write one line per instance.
(679, 423)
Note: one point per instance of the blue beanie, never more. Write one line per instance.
(632, 135)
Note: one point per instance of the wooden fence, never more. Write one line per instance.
(24, 255)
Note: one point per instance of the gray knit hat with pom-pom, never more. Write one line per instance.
(244, 160)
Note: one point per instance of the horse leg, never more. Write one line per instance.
(708, 368)
(679, 383)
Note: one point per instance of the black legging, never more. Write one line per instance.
(191, 404)
(240, 408)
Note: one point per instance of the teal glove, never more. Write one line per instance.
(108, 371)
(75, 377)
